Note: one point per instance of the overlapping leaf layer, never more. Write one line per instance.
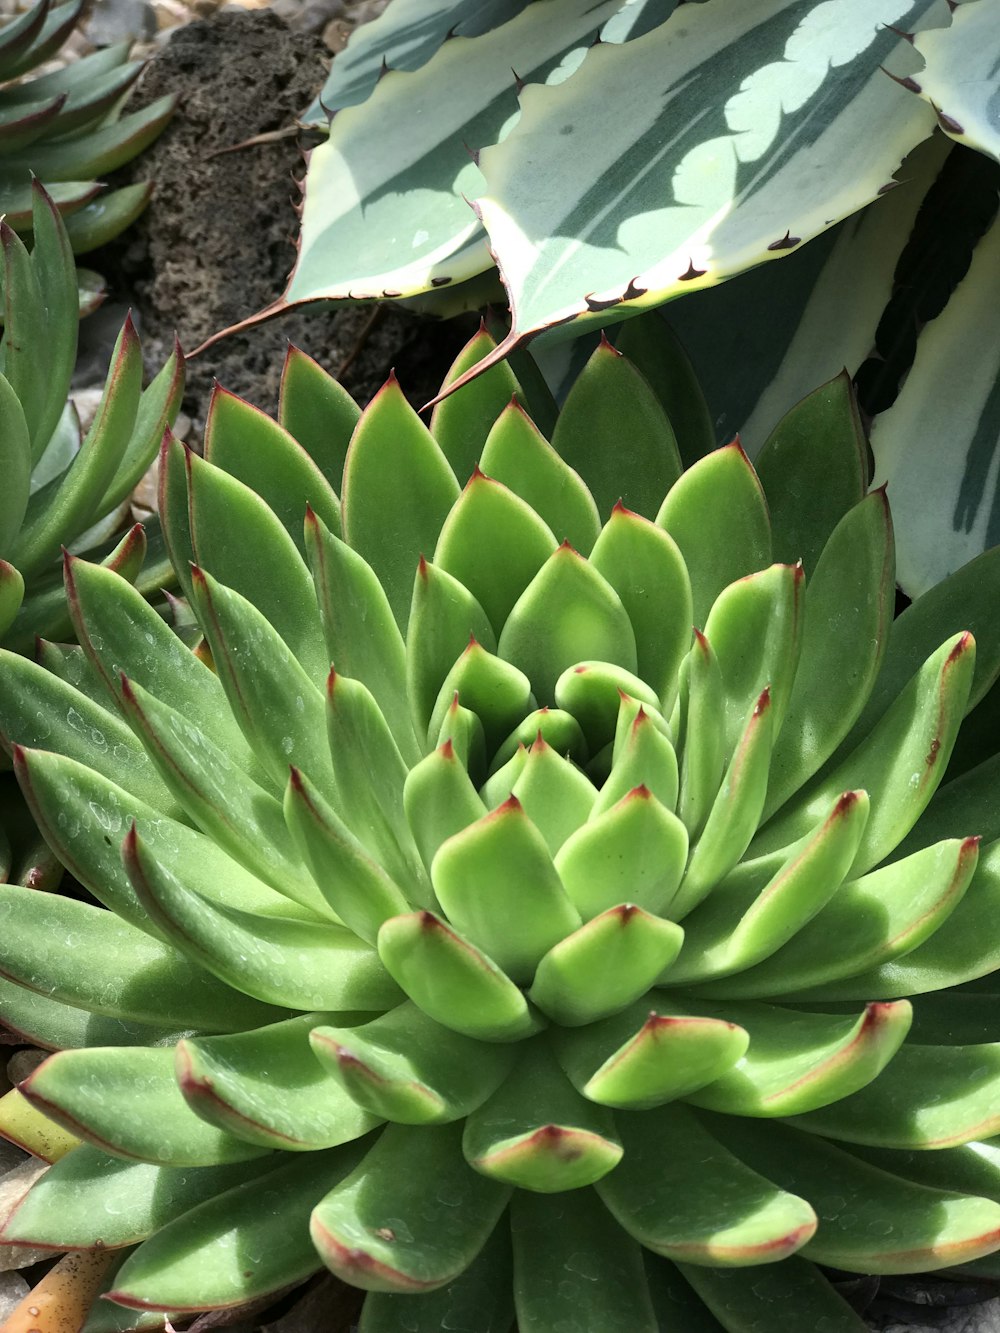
(539, 959)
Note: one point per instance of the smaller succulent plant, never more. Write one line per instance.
(66, 127)
(541, 960)
(59, 490)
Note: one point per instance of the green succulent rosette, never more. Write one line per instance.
(540, 961)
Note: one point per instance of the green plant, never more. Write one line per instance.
(670, 962)
(66, 127)
(691, 144)
(58, 490)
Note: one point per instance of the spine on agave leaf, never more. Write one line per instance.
(517, 856)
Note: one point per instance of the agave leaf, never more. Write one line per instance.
(649, 344)
(480, 1297)
(126, 1101)
(11, 595)
(281, 960)
(95, 153)
(133, 1199)
(58, 22)
(463, 729)
(246, 443)
(516, 454)
(71, 78)
(17, 457)
(644, 758)
(266, 1087)
(554, 794)
(395, 478)
(645, 568)
(246, 1242)
(605, 965)
(20, 33)
(497, 883)
(653, 1194)
(766, 1292)
(452, 981)
(52, 263)
(573, 1267)
(958, 65)
(610, 224)
(45, 1022)
(700, 704)
(753, 912)
(699, 513)
(318, 412)
(88, 102)
(99, 220)
(497, 692)
(440, 1215)
(973, 1167)
(944, 392)
(362, 638)
(633, 853)
(641, 1058)
(928, 1097)
(443, 618)
(369, 195)
(439, 800)
(407, 1068)
(927, 1228)
(797, 1062)
(158, 406)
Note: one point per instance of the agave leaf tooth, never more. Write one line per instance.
(495, 690)
(823, 430)
(496, 882)
(462, 422)
(266, 1086)
(568, 612)
(247, 1242)
(882, 915)
(634, 852)
(958, 64)
(872, 1221)
(120, 632)
(928, 1097)
(797, 1061)
(452, 981)
(613, 430)
(266, 568)
(733, 818)
(300, 964)
(62, 509)
(11, 595)
(362, 637)
(517, 455)
(701, 739)
(500, 784)
(17, 461)
(536, 1132)
(480, 1297)
(439, 799)
(717, 515)
(242, 817)
(558, 728)
(273, 698)
(769, 1291)
(645, 758)
(405, 1067)
(396, 479)
(592, 692)
(412, 1217)
(246, 443)
(605, 965)
(556, 796)
(369, 772)
(848, 608)
(127, 1102)
(94, 1197)
(574, 1268)
(644, 1056)
(354, 885)
(494, 544)
(444, 616)
(317, 411)
(53, 1026)
(900, 763)
(758, 907)
(37, 709)
(645, 567)
(754, 628)
(673, 1163)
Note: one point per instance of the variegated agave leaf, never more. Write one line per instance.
(540, 959)
(961, 75)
